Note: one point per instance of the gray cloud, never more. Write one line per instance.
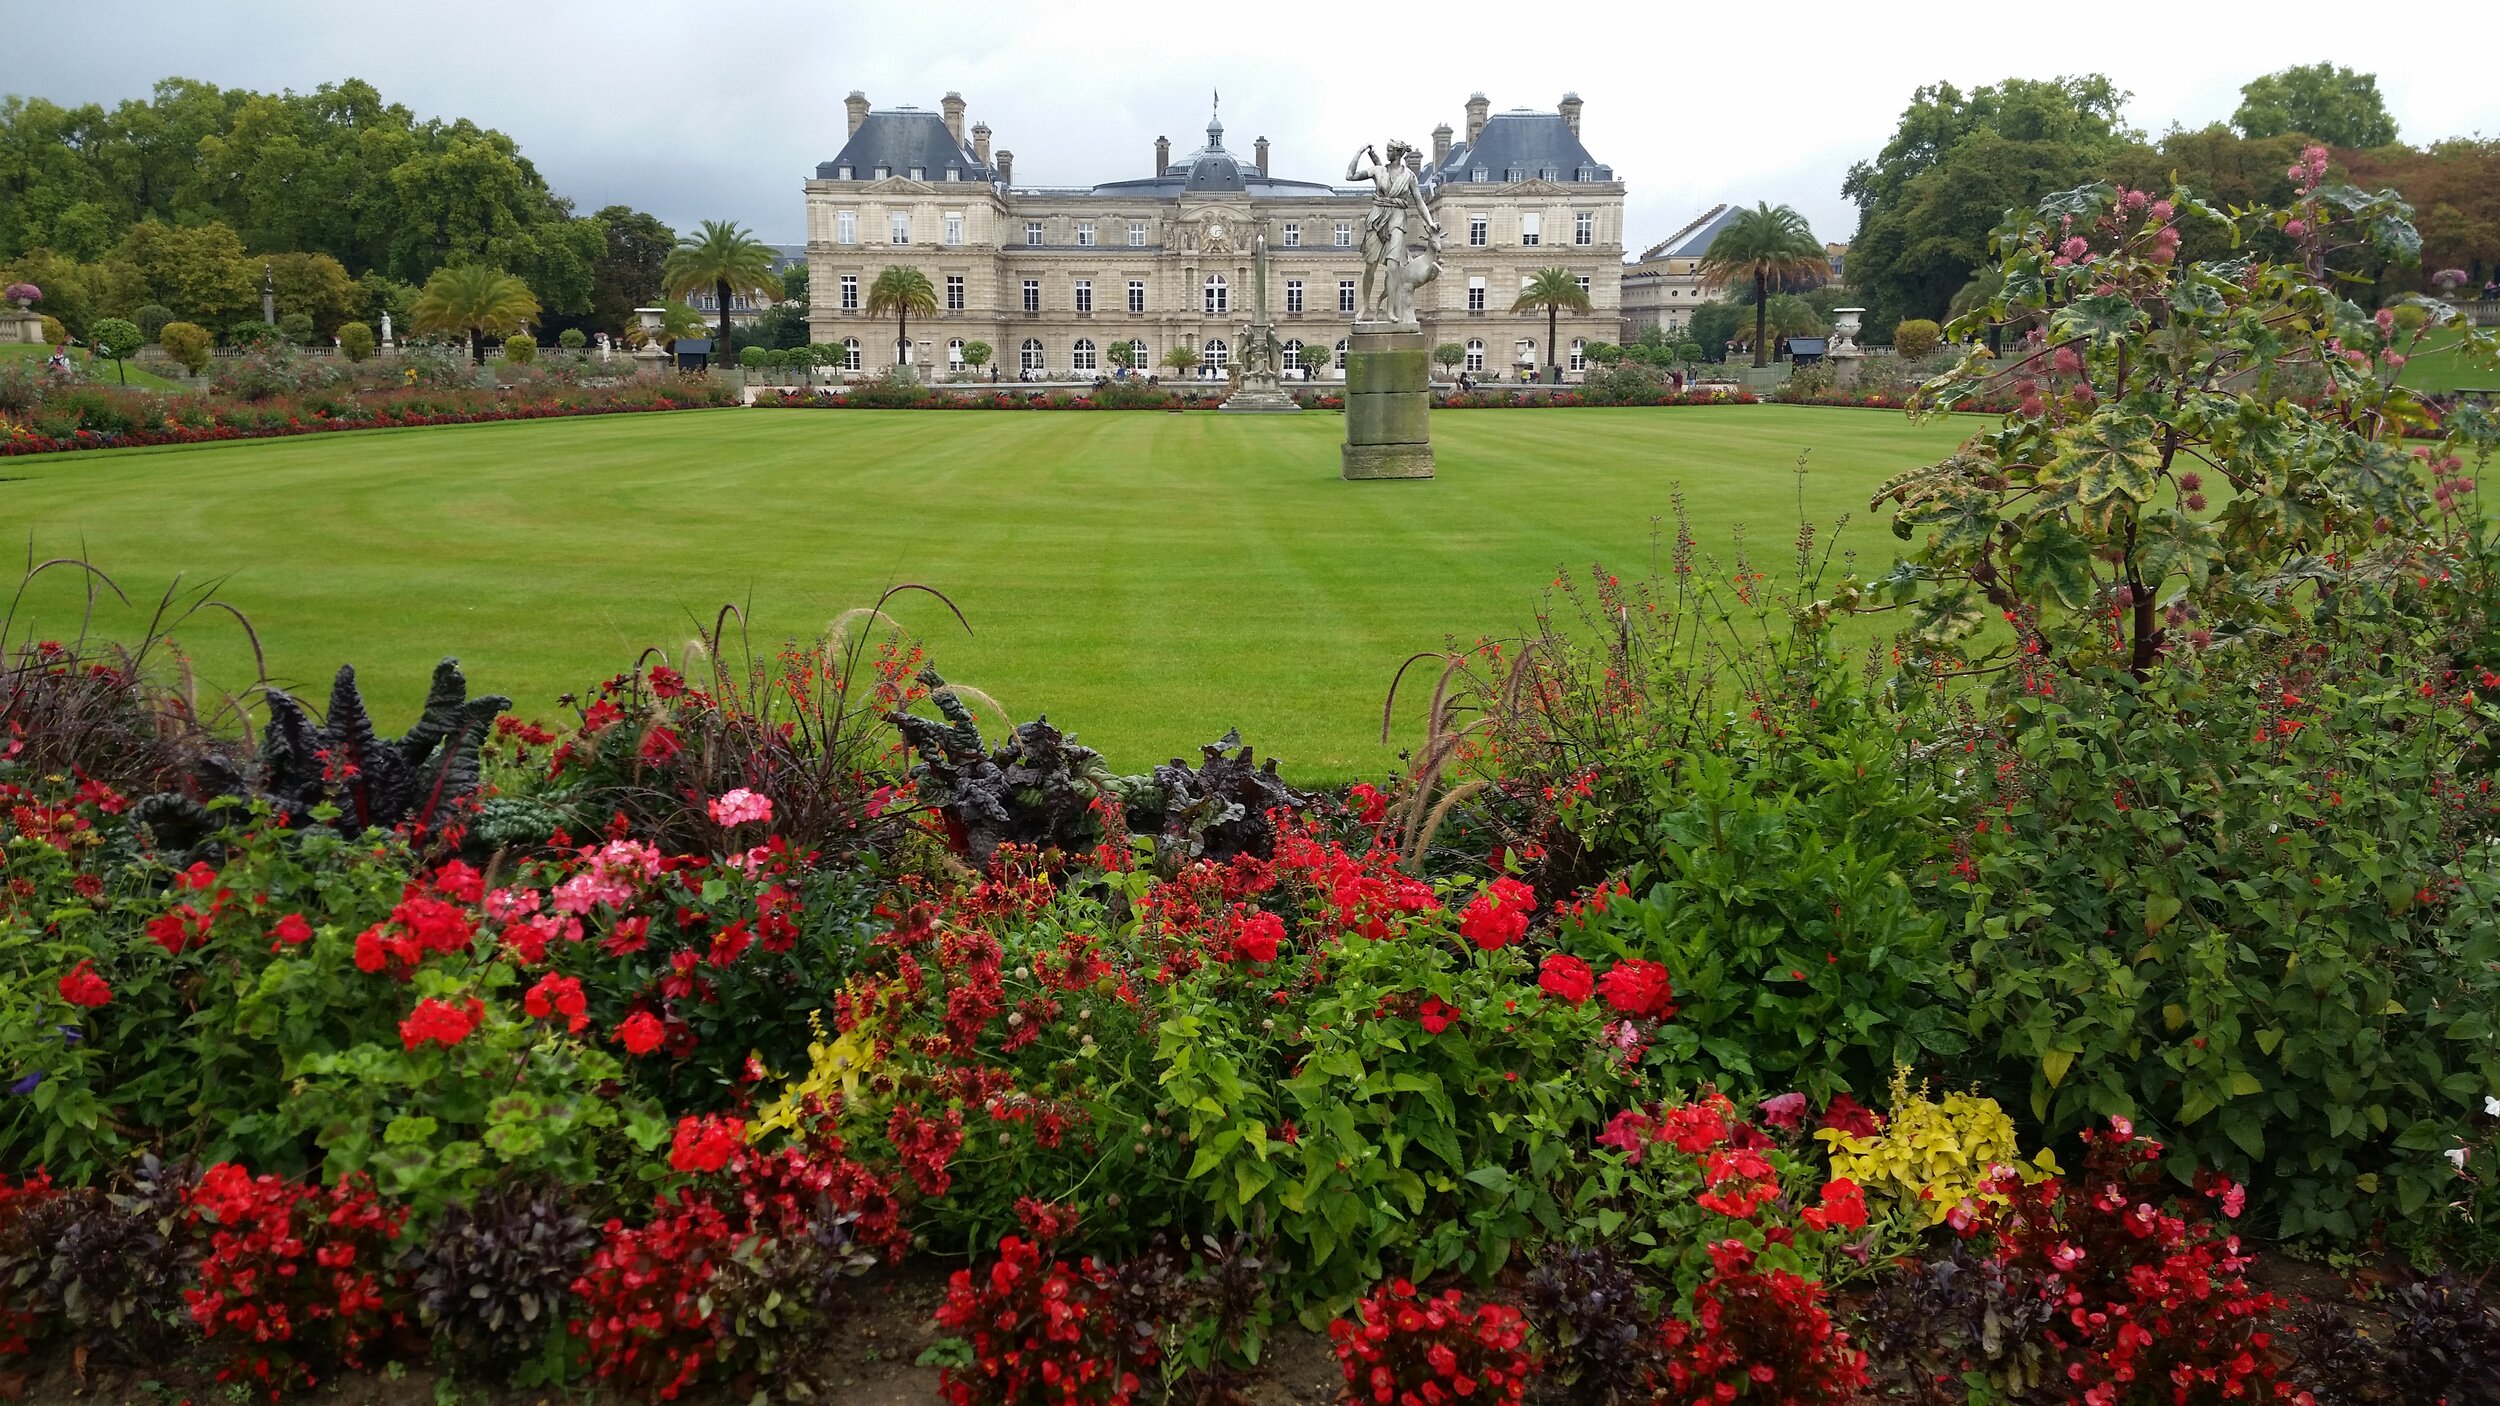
(717, 111)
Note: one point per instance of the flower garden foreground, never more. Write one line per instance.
(1706, 1016)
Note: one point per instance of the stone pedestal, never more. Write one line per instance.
(20, 326)
(1258, 394)
(1388, 395)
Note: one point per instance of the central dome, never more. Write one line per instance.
(1211, 167)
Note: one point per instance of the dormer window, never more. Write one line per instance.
(1588, 173)
(841, 173)
(954, 173)
(1480, 176)
(1511, 174)
(920, 173)
(884, 171)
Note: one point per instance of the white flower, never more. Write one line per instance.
(2491, 1105)
(2457, 1155)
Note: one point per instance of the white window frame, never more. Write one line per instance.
(920, 173)
(1137, 234)
(954, 292)
(850, 292)
(1345, 295)
(1531, 229)
(1137, 295)
(1214, 355)
(1137, 354)
(1293, 234)
(898, 227)
(1293, 354)
(1583, 281)
(1217, 296)
(1475, 294)
(1085, 234)
(955, 353)
(1475, 356)
(1081, 357)
(955, 228)
(1345, 234)
(1084, 291)
(1293, 295)
(1584, 228)
(1579, 360)
(850, 354)
(1032, 295)
(1032, 234)
(1029, 355)
(1479, 231)
(846, 227)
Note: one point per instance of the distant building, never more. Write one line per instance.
(744, 308)
(1052, 277)
(1664, 285)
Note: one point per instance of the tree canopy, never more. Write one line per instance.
(2324, 101)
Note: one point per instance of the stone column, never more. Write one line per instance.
(1388, 396)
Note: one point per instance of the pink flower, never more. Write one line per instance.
(2075, 247)
(741, 807)
(1784, 1110)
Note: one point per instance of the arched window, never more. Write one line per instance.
(1475, 354)
(955, 352)
(1081, 356)
(1137, 355)
(850, 353)
(1214, 356)
(1216, 300)
(1293, 354)
(1579, 353)
(1029, 357)
(1341, 345)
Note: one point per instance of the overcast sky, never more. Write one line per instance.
(710, 110)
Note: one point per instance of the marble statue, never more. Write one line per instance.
(1397, 200)
(1402, 276)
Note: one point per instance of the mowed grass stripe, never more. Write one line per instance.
(1146, 579)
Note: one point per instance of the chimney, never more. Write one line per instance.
(1441, 146)
(857, 102)
(1570, 111)
(1006, 168)
(981, 142)
(1260, 147)
(953, 106)
(1414, 161)
(1163, 155)
(1477, 106)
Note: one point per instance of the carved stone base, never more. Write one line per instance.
(20, 327)
(1258, 395)
(1388, 397)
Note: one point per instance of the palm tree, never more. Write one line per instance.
(1553, 290)
(899, 292)
(728, 260)
(1767, 243)
(473, 300)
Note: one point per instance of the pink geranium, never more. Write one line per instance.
(741, 807)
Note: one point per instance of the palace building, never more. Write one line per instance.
(1052, 277)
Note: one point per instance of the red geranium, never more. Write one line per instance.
(641, 1033)
(441, 1022)
(1638, 989)
(706, 1144)
(83, 987)
(558, 995)
(1566, 978)
(1498, 916)
(1259, 937)
(1436, 1014)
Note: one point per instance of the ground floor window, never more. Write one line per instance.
(1029, 357)
(1137, 356)
(1579, 354)
(955, 351)
(1214, 356)
(1475, 355)
(1293, 355)
(850, 354)
(1081, 356)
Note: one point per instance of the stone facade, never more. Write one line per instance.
(1050, 278)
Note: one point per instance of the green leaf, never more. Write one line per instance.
(2056, 560)
(2055, 1063)
(2111, 457)
(2169, 543)
(2103, 318)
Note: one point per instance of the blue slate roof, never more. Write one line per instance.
(1211, 168)
(1693, 241)
(1519, 146)
(901, 140)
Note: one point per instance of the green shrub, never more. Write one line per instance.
(188, 343)
(254, 334)
(356, 341)
(117, 339)
(1915, 337)
(152, 319)
(755, 358)
(572, 339)
(54, 334)
(1688, 353)
(296, 328)
(519, 349)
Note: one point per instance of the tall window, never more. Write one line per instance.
(850, 354)
(850, 292)
(1137, 355)
(1293, 295)
(1081, 356)
(955, 351)
(954, 292)
(1137, 234)
(1479, 230)
(1215, 356)
(1345, 295)
(1584, 285)
(1032, 295)
(1293, 234)
(1029, 356)
(1033, 233)
(1216, 299)
(1584, 228)
(1579, 354)
(846, 227)
(1475, 294)
(1085, 295)
(1293, 355)
(1475, 355)
(898, 229)
(1345, 234)
(1085, 234)
(1531, 228)
(1137, 295)
(954, 229)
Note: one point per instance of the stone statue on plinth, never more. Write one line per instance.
(1388, 371)
(1258, 392)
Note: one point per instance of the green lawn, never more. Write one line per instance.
(34, 356)
(2442, 368)
(1146, 579)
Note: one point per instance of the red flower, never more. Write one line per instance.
(83, 987)
(706, 1144)
(640, 1034)
(1566, 978)
(1847, 1115)
(1638, 989)
(558, 995)
(441, 1022)
(291, 931)
(1259, 937)
(1498, 916)
(660, 745)
(1437, 1015)
(1843, 1207)
(666, 683)
(1370, 806)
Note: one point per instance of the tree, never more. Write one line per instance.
(976, 353)
(187, 343)
(197, 270)
(2321, 100)
(1183, 359)
(1118, 355)
(1551, 290)
(629, 270)
(899, 292)
(315, 286)
(473, 300)
(1768, 245)
(113, 337)
(726, 259)
(355, 340)
(1449, 354)
(152, 319)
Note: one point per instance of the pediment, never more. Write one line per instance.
(1536, 185)
(905, 185)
